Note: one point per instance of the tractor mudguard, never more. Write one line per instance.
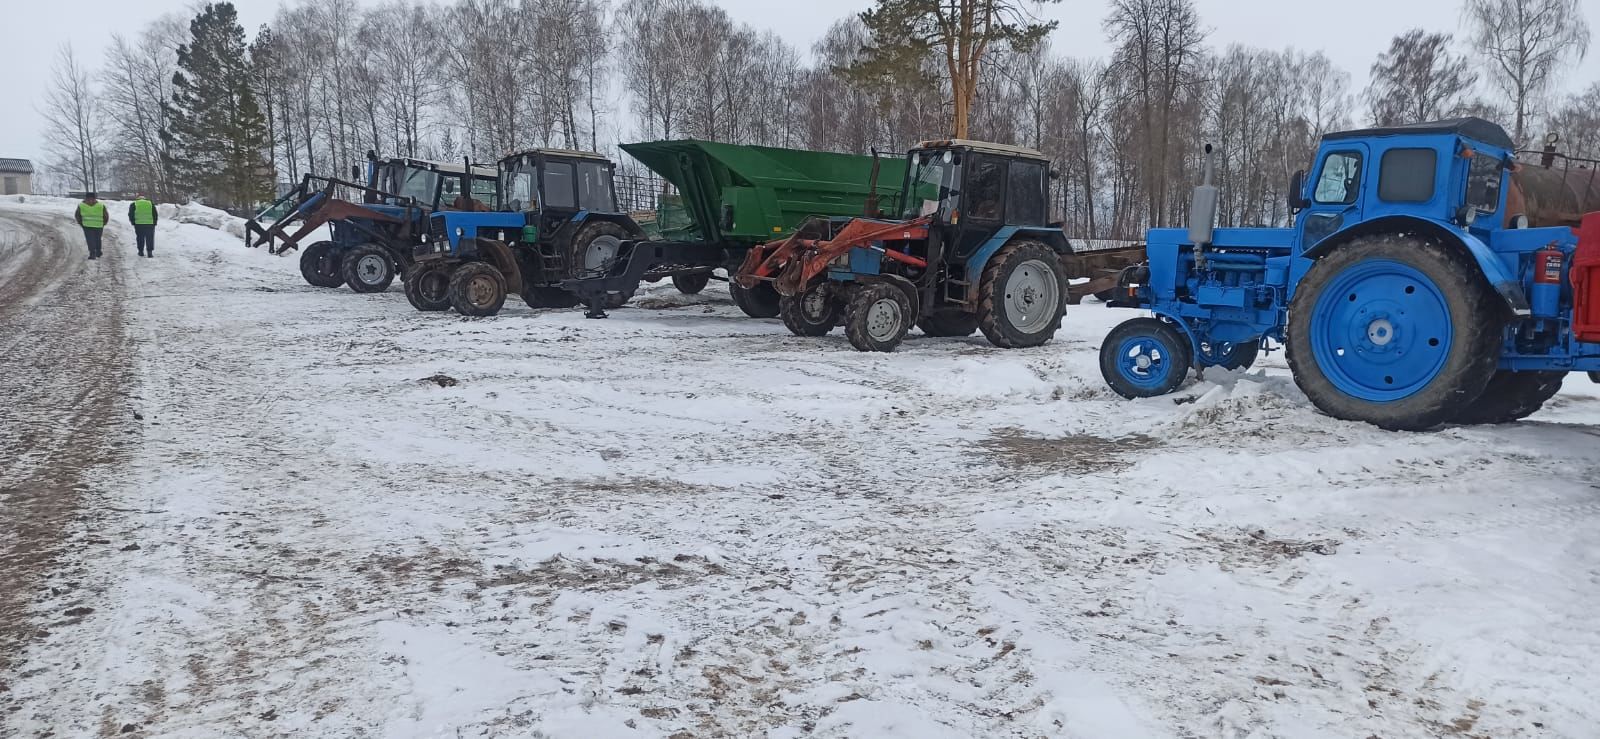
(1502, 279)
(1053, 237)
(499, 254)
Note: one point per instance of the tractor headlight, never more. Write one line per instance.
(461, 232)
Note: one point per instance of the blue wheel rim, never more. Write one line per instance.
(1145, 361)
(1381, 331)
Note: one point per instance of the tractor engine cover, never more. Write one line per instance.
(1586, 281)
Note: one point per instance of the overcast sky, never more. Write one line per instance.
(38, 27)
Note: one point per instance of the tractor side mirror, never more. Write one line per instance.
(1297, 192)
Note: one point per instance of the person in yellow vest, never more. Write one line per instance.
(142, 214)
(92, 216)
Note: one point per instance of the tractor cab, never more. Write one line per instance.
(432, 185)
(972, 191)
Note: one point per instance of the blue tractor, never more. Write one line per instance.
(374, 226)
(1428, 277)
(558, 219)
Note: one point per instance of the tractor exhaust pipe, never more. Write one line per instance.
(1203, 210)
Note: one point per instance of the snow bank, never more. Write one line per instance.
(201, 215)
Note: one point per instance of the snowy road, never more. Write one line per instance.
(681, 522)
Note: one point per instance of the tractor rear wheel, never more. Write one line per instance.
(1228, 355)
(691, 284)
(1145, 357)
(594, 250)
(548, 297)
(948, 323)
(760, 301)
(1022, 296)
(321, 265)
(368, 269)
(477, 289)
(878, 317)
(1394, 331)
(812, 313)
(1512, 396)
(428, 288)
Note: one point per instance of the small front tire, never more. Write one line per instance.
(368, 269)
(1144, 358)
(812, 313)
(428, 288)
(878, 317)
(477, 289)
(321, 265)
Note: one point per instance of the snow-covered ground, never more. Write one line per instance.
(346, 518)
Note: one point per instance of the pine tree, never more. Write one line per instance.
(218, 134)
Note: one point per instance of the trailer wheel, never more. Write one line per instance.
(1394, 331)
(760, 301)
(548, 297)
(428, 288)
(812, 313)
(1228, 355)
(368, 269)
(1145, 357)
(1512, 396)
(1022, 296)
(691, 284)
(321, 266)
(948, 323)
(877, 317)
(477, 289)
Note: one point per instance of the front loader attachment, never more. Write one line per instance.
(791, 264)
(314, 203)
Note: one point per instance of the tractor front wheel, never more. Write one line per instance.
(812, 313)
(691, 284)
(368, 269)
(761, 301)
(321, 266)
(1022, 296)
(1144, 358)
(428, 288)
(477, 289)
(1394, 331)
(1512, 396)
(878, 317)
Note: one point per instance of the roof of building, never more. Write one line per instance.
(1004, 149)
(16, 166)
(1477, 129)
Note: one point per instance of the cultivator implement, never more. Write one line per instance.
(318, 201)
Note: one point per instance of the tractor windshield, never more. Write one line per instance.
(419, 184)
(932, 184)
(594, 187)
(517, 186)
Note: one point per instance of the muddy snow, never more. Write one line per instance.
(337, 516)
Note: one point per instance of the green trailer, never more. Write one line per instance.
(736, 198)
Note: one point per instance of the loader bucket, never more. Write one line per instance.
(755, 194)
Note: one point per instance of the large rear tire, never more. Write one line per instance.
(878, 317)
(1145, 357)
(812, 313)
(1022, 296)
(368, 269)
(1394, 331)
(477, 289)
(761, 301)
(428, 288)
(1512, 396)
(594, 250)
(322, 265)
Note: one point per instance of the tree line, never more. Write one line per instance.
(191, 107)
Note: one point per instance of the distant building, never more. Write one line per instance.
(16, 177)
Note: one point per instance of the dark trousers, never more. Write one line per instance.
(92, 236)
(147, 238)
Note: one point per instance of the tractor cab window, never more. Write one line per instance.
(986, 192)
(594, 187)
(1340, 182)
(419, 184)
(483, 191)
(1483, 183)
(518, 186)
(1408, 175)
(1025, 194)
(933, 183)
(559, 189)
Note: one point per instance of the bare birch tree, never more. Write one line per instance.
(74, 132)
